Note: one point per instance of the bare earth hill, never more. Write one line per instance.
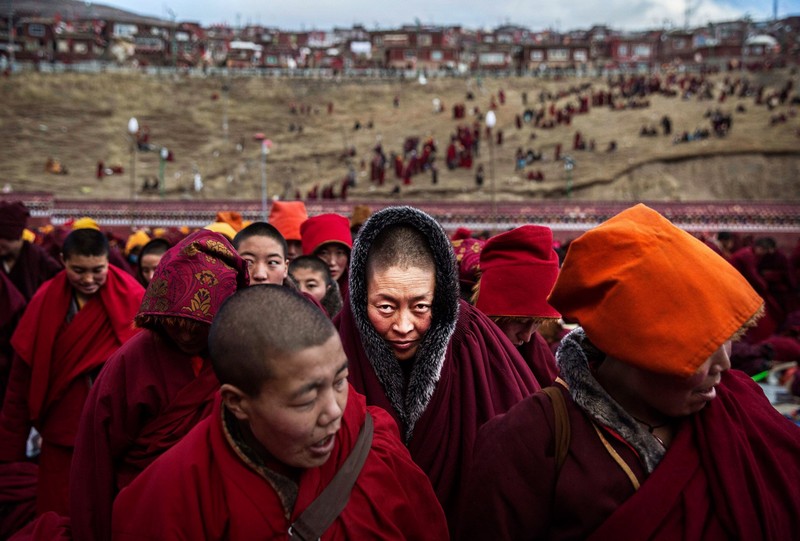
(80, 119)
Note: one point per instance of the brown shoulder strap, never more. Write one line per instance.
(562, 429)
(318, 516)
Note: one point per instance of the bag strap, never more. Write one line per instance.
(562, 433)
(318, 516)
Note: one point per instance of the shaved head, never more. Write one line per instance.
(400, 246)
(258, 326)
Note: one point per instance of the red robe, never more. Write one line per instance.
(148, 396)
(201, 489)
(50, 376)
(482, 376)
(731, 472)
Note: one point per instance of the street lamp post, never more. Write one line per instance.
(491, 121)
(133, 129)
(162, 164)
(569, 165)
(265, 146)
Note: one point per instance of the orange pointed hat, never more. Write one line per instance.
(286, 217)
(652, 295)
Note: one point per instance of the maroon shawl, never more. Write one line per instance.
(145, 400)
(733, 473)
(56, 352)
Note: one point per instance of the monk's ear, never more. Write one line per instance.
(236, 401)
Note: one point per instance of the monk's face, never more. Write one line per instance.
(519, 331)
(9, 249)
(399, 305)
(311, 281)
(86, 273)
(299, 410)
(265, 259)
(148, 264)
(653, 396)
(294, 248)
(336, 256)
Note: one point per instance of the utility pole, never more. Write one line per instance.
(11, 37)
(174, 45)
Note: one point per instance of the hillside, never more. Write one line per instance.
(80, 119)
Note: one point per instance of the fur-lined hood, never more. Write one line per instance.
(573, 358)
(431, 353)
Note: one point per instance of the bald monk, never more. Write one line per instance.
(71, 326)
(285, 422)
(263, 248)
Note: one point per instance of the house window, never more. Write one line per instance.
(558, 54)
(537, 56)
(642, 51)
(62, 46)
(622, 50)
(36, 30)
(409, 54)
(437, 56)
(680, 44)
(125, 30)
(580, 55)
(81, 48)
(424, 40)
(492, 59)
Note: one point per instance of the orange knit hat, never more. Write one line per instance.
(652, 295)
(232, 218)
(286, 217)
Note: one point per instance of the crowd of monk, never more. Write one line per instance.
(373, 377)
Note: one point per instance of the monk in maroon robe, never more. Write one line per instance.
(159, 385)
(71, 326)
(328, 237)
(657, 438)
(434, 362)
(284, 424)
(27, 266)
(517, 271)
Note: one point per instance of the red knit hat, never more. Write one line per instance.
(194, 277)
(518, 270)
(323, 229)
(652, 295)
(13, 219)
(461, 233)
(286, 217)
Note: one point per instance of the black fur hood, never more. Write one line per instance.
(573, 360)
(431, 353)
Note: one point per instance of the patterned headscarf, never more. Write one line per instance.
(193, 279)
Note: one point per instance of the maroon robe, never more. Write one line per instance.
(148, 396)
(731, 472)
(12, 303)
(482, 376)
(540, 359)
(32, 268)
(202, 489)
(51, 373)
